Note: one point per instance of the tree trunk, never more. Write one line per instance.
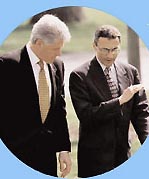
(133, 49)
(66, 14)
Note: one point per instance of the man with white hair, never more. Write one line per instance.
(33, 121)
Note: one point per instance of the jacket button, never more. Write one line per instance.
(49, 132)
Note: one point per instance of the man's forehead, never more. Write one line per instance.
(108, 42)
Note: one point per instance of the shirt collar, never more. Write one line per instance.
(33, 58)
(103, 66)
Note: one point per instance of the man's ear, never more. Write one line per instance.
(39, 42)
(94, 46)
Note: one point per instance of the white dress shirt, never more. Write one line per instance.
(36, 68)
(112, 72)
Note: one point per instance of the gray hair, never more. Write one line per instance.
(107, 31)
(50, 28)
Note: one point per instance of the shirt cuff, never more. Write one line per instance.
(64, 151)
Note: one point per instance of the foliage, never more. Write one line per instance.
(66, 14)
(82, 32)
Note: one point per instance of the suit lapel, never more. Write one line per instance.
(26, 68)
(99, 79)
(52, 72)
(122, 77)
(30, 88)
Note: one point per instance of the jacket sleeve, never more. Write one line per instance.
(62, 126)
(90, 115)
(140, 112)
(1, 94)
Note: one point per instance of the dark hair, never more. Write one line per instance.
(107, 31)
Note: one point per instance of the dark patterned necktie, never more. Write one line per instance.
(43, 90)
(111, 83)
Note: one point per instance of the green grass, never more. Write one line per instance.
(17, 39)
(73, 126)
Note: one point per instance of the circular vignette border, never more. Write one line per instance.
(14, 12)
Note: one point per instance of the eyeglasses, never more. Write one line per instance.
(106, 51)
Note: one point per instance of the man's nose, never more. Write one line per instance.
(110, 53)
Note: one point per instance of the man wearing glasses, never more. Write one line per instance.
(106, 96)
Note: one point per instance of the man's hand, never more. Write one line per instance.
(129, 93)
(65, 163)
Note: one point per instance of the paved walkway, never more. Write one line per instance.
(73, 60)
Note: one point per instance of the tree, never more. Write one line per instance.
(66, 14)
(133, 49)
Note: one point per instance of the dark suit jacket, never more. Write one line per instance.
(103, 138)
(21, 128)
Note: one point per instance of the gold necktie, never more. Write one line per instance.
(43, 90)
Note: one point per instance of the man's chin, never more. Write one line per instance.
(111, 61)
(50, 61)
(109, 64)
